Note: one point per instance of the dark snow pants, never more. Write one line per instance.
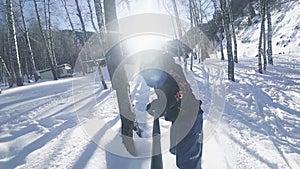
(189, 150)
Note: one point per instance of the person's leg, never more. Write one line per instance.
(189, 150)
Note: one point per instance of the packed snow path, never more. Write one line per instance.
(259, 127)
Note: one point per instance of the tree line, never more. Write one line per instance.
(26, 48)
(28, 45)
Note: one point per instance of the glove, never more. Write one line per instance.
(156, 108)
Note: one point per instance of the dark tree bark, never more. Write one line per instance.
(81, 21)
(233, 33)
(251, 10)
(270, 33)
(221, 47)
(219, 33)
(262, 29)
(264, 43)
(99, 14)
(121, 85)
(226, 20)
(68, 15)
(12, 37)
(6, 71)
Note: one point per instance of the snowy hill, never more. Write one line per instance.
(286, 28)
(255, 124)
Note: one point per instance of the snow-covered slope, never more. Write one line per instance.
(259, 127)
(286, 32)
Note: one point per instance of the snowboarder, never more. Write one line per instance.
(186, 132)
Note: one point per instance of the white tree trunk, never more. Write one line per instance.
(27, 38)
(99, 15)
(12, 37)
(262, 29)
(44, 41)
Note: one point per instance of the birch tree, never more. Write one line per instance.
(31, 61)
(270, 33)
(264, 40)
(50, 33)
(73, 32)
(12, 39)
(226, 20)
(100, 21)
(6, 71)
(44, 41)
(262, 29)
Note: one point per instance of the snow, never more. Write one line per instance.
(259, 127)
(251, 123)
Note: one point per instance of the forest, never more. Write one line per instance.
(33, 38)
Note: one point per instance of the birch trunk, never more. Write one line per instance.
(262, 28)
(27, 38)
(99, 15)
(13, 43)
(8, 74)
(51, 42)
(73, 31)
(44, 41)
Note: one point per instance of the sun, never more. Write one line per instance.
(144, 42)
(145, 6)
